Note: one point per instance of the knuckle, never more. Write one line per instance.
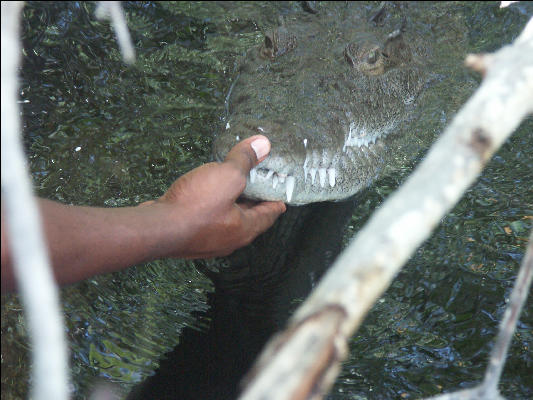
(250, 157)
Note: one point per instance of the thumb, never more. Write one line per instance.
(248, 153)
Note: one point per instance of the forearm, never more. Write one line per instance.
(197, 217)
(85, 241)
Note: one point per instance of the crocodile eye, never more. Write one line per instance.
(366, 57)
(372, 57)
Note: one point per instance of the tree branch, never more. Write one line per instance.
(30, 258)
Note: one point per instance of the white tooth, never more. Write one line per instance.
(227, 125)
(322, 175)
(312, 172)
(237, 138)
(282, 178)
(331, 176)
(253, 175)
(269, 174)
(274, 181)
(289, 188)
(305, 142)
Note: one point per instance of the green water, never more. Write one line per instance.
(100, 133)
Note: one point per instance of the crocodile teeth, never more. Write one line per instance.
(322, 175)
(269, 173)
(289, 187)
(253, 175)
(282, 178)
(274, 181)
(312, 172)
(331, 176)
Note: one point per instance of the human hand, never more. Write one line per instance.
(197, 217)
(201, 210)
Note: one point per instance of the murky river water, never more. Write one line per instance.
(103, 134)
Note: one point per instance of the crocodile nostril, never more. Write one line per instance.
(269, 43)
(277, 42)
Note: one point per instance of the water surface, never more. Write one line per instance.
(103, 134)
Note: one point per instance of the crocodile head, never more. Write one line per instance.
(327, 92)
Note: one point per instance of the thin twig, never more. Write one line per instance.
(510, 318)
(112, 10)
(488, 390)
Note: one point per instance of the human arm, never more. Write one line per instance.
(198, 217)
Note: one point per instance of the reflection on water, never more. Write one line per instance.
(100, 133)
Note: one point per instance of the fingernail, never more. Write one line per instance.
(261, 147)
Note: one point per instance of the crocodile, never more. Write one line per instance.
(327, 123)
(328, 90)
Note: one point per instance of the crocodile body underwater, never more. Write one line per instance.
(256, 290)
(328, 90)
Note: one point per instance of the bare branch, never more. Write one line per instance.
(30, 259)
(504, 4)
(303, 361)
(510, 318)
(488, 390)
(113, 11)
